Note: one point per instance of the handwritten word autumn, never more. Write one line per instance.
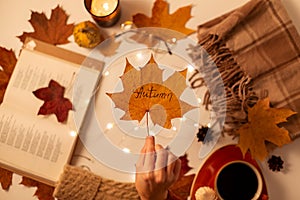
(152, 93)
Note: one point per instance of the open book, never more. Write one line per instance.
(38, 146)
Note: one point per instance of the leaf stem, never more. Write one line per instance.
(147, 122)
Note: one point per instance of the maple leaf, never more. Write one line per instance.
(146, 92)
(181, 188)
(161, 18)
(8, 62)
(43, 192)
(5, 179)
(263, 127)
(54, 30)
(55, 103)
(185, 168)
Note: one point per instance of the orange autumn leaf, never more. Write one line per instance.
(54, 30)
(8, 61)
(161, 18)
(263, 127)
(5, 179)
(145, 92)
(43, 191)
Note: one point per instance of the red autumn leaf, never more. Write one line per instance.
(185, 168)
(5, 179)
(55, 103)
(8, 61)
(54, 30)
(43, 192)
(28, 182)
(181, 188)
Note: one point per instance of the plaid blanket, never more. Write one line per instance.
(260, 45)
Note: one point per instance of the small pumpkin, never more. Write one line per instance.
(87, 34)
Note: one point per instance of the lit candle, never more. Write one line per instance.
(104, 12)
(103, 8)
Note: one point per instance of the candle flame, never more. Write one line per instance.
(103, 7)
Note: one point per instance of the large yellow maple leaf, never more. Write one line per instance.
(146, 92)
(263, 127)
(161, 18)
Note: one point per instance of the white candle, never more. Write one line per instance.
(103, 7)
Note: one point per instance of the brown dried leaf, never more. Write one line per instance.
(161, 18)
(8, 61)
(43, 192)
(54, 30)
(5, 179)
(263, 127)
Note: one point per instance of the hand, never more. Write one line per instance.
(156, 170)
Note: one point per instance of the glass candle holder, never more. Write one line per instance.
(105, 12)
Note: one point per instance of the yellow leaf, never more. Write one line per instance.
(161, 18)
(262, 127)
(146, 92)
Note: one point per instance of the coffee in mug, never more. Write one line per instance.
(238, 180)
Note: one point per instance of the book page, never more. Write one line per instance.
(33, 71)
(32, 146)
(38, 145)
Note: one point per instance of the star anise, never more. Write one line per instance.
(202, 133)
(275, 163)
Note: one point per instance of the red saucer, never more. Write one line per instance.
(206, 174)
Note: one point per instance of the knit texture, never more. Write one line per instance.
(76, 183)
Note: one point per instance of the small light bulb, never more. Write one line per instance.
(109, 126)
(208, 125)
(190, 68)
(106, 73)
(139, 56)
(199, 100)
(73, 133)
(126, 150)
(127, 25)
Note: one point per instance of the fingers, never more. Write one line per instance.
(161, 157)
(173, 168)
(167, 167)
(146, 161)
(177, 169)
(150, 144)
(160, 164)
(149, 162)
